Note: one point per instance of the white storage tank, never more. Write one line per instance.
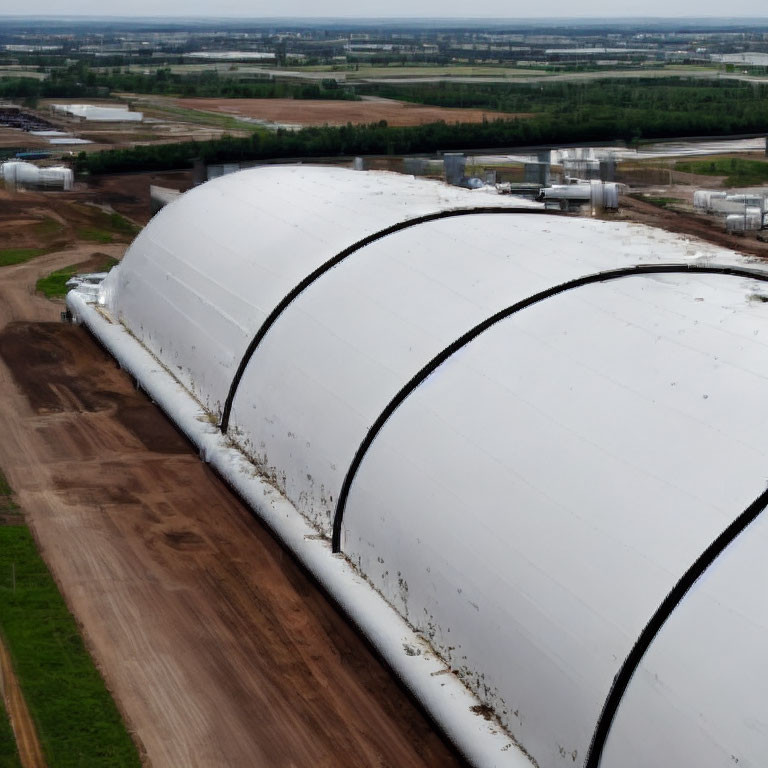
(746, 199)
(18, 173)
(735, 204)
(702, 198)
(57, 177)
(611, 196)
(750, 220)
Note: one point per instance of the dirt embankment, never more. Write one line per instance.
(707, 228)
(217, 646)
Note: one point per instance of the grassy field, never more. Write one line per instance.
(738, 171)
(166, 111)
(106, 227)
(94, 235)
(55, 285)
(10, 256)
(77, 722)
(49, 227)
(9, 755)
(661, 202)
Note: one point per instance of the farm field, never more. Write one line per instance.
(13, 137)
(322, 112)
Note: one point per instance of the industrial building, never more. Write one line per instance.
(115, 113)
(524, 451)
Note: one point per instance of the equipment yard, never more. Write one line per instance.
(217, 647)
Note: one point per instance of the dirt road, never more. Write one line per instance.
(218, 648)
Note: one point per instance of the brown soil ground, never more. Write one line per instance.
(320, 112)
(709, 228)
(12, 137)
(128, 193)
(30, 752)
(34, 219)
(218, 648)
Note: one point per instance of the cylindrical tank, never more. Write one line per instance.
(569, 191)
(611, 196)
(751, 219)
(747, 200)
(701, 199)
(19, 172)
(596, 195)
(57, 177)
(454, 164)
(714, 197)
(16, 172)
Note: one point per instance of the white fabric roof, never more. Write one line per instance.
(528, 506)
(206, 272)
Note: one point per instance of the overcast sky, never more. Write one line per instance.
(386, 8)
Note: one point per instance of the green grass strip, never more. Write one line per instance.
(9, 256)
(739, 171)
(119, 223)
(77, 721)
(9, 754)
(55, 285)
(94, 235)
(662, 202)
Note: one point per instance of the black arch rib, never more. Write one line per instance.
(628, 668)
(652, 628)
(332, 262)
(462, 341)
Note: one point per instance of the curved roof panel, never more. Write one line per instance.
(536, 452)
(530, 505)
(352, 339)
(208, 269)
(700, 691)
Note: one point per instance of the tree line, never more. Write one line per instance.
(382, 139)
(82, 82)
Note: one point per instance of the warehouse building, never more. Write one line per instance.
(525, 451)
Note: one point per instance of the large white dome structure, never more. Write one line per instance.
(540, 439)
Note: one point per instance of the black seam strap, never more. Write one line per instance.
(328, 265)
(652, 628)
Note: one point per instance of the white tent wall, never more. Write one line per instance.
(532, 503)
(209, 268)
